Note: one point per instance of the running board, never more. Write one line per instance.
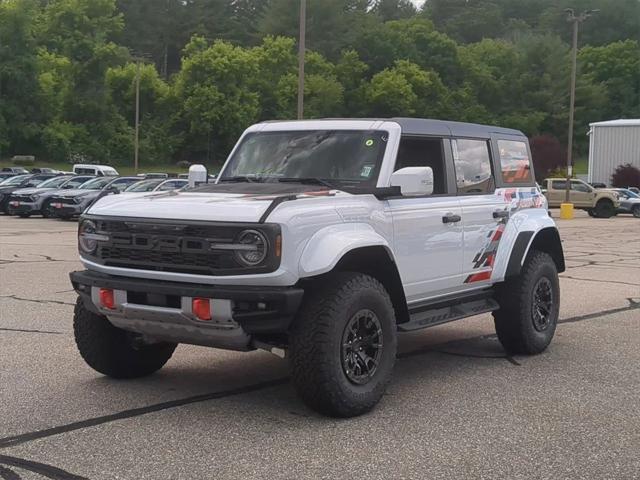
(438, 316)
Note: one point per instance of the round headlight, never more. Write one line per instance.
(86, 237)
(251, 248)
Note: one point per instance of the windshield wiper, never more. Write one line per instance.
(306, 180)
(241, 178)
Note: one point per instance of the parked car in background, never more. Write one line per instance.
(598, 202)
(8, 186)
(71, 203)
(44, 170)
(96, 170)
(143, 186)
(634, 190)
(5, 175)
(155, 175)
(157, 185)
(172, 184)
(15, 170)
(598, 185)
(629, 202)
(36, 201)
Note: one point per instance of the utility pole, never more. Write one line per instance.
(301, 52)
(136, 138)
(575, 21)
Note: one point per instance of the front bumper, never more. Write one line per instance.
(19, 207)
(162, 310)
(66, 209)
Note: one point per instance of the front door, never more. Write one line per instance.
(483, 212)
(427, 230)
(427, 250)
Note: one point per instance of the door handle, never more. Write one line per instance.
(451, 218)
(501, 214)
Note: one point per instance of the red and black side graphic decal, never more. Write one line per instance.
(485, 258)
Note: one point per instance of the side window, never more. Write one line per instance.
(424, 152)
(559, 185)
(580, 187)
(514, 161)
(473, 166)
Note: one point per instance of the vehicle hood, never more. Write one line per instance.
(32, 191)
(75, 192)
(223, 203)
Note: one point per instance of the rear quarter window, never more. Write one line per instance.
(515, 163)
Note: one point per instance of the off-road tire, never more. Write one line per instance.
(316, 344)
(514, 320)
(636, 211)
(604, 209)
(111, 351)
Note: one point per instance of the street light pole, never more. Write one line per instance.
(301, 53)
(575, 21)
(137, 120)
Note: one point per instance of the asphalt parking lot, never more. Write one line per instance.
(458, 407)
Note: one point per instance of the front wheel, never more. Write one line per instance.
(591, 212)
(343, 345)
(46, 209)
(605, 209)
(636, 211)
(529, 306)
(113, 351)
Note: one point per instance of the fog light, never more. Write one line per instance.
(201, 308)
(106, 298)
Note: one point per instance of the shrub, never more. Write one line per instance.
(23, 160)
(626, 176)
(548, 155)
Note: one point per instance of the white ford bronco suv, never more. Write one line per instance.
(320, 241)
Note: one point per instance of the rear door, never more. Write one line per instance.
(582, 195)
(483, 212)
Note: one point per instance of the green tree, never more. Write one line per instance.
(617, 68)
(216, 91)
(19, 113)
(83, 31)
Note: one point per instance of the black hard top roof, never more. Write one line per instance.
(423, 126)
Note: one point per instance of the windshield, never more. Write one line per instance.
(332, 155)
(75, 182)
(13, 181)
(54, 182)
(629, 193)
(144, 186)
(95, 184)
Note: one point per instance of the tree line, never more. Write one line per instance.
(209, 68)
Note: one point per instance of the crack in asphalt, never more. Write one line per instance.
(599, 281)
(47, 471)
(21, 299)
(20, 439)
(29, 331)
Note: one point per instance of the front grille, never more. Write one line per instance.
(64, 200)
(21, 198)
(177, 247)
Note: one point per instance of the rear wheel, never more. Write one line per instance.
(604, 209)
(636, 211)
(529, 306)
(343, 345)
(113, 351)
